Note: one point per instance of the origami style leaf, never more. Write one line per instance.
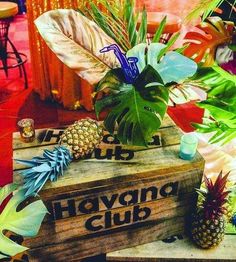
(77, 41)
(137, 109)
(173, 67)
(202, 46)
(48, 167)
(25, 222)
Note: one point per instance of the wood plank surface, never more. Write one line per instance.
(168, 136)
(185, 181)
(50, 136)
(121, 196)
(77, 248)
(94, 173)
(67, 229)
(177, 248)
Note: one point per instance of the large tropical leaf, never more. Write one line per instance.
(25, 222)
(77, 42)
(220, 107)
(217, 82)
(172, 67)
(220, 120)
(203, 43)
(137, 109)
(119, 20)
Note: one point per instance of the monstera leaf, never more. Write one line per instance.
(77, 41)
(203, 44)
(137, 109)
(172, 67)
(25, 222)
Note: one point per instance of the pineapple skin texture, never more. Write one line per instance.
(207, 233)
(82, 137)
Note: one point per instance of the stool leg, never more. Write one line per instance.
(5, 67)
(19, 59)
(25, 76)
(3, 55)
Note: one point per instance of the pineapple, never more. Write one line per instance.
(82, 137)
(208, 222)
(78, 140)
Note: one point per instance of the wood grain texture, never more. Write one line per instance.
(67, 229)
(129, 216)
(76, 249)
(41, 134)
(178, 250)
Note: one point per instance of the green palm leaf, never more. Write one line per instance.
(119, 21)
(220, 106)
(204, 8)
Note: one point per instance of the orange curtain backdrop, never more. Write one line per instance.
(52, 79)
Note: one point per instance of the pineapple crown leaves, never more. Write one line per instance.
(24, 221)
(213, 199)
(48, 167)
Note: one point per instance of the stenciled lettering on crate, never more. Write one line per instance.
(120, 197)
(116, 151)
(109, 203)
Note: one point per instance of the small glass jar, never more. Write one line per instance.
(188, 146)
(27, 131)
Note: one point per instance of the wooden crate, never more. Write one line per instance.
(182, 249)
(120, 197)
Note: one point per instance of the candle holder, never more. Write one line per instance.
(188, 146)
(27, 131)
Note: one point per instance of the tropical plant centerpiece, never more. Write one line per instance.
(137, 108)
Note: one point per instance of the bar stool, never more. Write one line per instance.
(7, 11)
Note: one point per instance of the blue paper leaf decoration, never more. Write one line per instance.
(48, 167)
(173, 67)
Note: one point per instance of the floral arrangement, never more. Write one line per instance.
(136, 109)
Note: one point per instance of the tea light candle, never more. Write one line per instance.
(26, 127)
(188, 146)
